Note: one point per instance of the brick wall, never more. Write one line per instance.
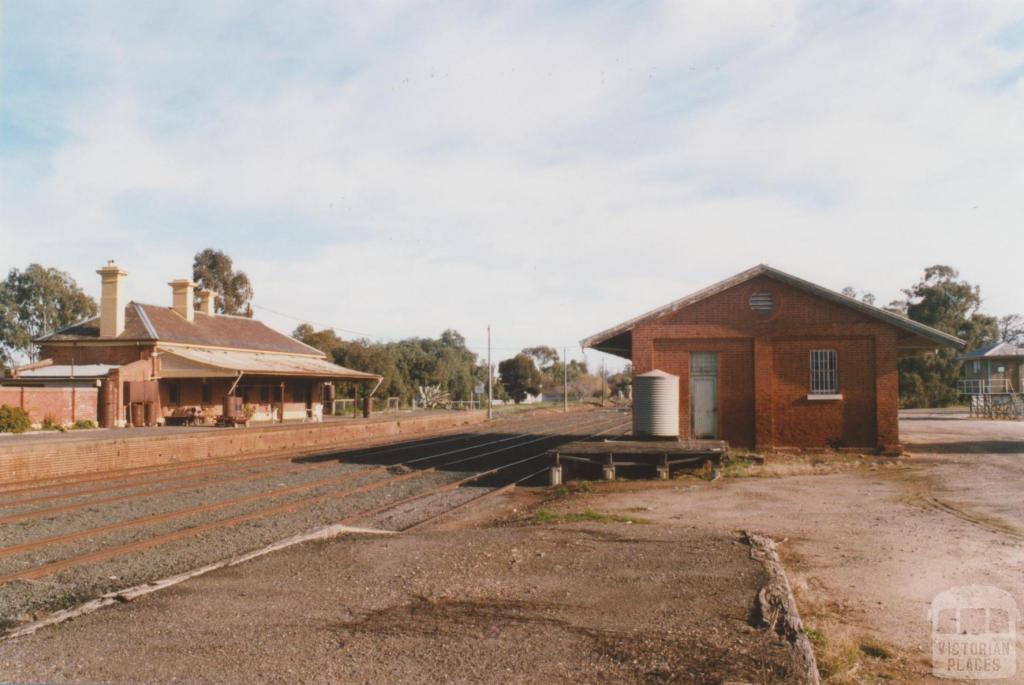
(764, 367)
(65, 405)
(23, 460)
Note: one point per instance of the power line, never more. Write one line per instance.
(387, 338)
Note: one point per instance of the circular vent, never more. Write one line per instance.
(762, 303)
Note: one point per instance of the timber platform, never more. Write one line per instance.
(659, 455)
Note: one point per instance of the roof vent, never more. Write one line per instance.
(762, 303)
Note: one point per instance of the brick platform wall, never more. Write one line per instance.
(65, 405)
(21, 460)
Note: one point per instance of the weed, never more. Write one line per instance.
(543, 516)
(737, 468)
(84, 424)
(574, 488)
(875, 648)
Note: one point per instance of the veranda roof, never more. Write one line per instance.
(192, 362)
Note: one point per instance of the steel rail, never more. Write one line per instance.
(213, 506)
(287, 507)
(221, 464)
(196, 482)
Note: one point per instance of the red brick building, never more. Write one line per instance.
(766, 359)
(150, 364)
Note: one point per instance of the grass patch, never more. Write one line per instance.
(836, 657)
(738, 468)
(544, 516)
(839, 656)
(875, 649)
(575, 487)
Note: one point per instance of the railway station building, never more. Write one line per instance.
(144, 364)
(769, 360)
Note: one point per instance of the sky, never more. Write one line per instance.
(549, 168)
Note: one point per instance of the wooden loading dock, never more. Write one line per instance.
(659, 455)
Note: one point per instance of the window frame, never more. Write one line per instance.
(824, 374)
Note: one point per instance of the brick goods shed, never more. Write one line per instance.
(769, 360)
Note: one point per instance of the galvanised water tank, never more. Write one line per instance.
(656, 405)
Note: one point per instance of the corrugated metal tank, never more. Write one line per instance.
(656, 405)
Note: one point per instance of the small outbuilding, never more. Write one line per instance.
(769, 360)
(993, 369)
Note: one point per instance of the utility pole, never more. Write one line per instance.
(603, 382)
(490, 374)
(565, 382)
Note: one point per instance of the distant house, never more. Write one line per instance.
(766, 359)
(993, 369)
(154, 364)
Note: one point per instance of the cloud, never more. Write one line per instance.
(551, 168)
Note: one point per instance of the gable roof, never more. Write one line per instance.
(151, 323)
(616, 334)
(1003, 349)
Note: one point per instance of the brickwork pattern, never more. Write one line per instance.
(64, 405)
(20, 460)
(764, 367)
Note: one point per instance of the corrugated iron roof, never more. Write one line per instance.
(616, 333)
(69, 371)
(191, 362)
(1003, 349)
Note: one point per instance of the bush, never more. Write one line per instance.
(14, 419)
(84, 424)
(50, 423)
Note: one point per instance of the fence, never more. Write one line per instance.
(981, 386)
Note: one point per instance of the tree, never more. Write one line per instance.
(950, 305)
(327, 341)
(1011, 329)
(36, 302)
(865, 297)
(542, 355)
(406, 364)
(520, 377)
(214, 270)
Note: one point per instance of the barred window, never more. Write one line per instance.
(824, 372)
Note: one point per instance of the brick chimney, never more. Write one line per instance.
(182, 289)
(206, 302)
(111, 300)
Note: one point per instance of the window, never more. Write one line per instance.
(976, 366)
(173, 394)
(824, 372)
(206, 394)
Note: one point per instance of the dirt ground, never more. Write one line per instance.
(598, 602)
(869, 542)
(555, 586)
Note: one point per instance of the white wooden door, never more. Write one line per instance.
(704, 395)
(704, 398)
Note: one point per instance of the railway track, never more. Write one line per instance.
(505, 459)
(132, 477)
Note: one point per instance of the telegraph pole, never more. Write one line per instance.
(490, 374)
(565, 381)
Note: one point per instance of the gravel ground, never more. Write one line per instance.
(411, 513)
(22, 600)
(596, 603)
